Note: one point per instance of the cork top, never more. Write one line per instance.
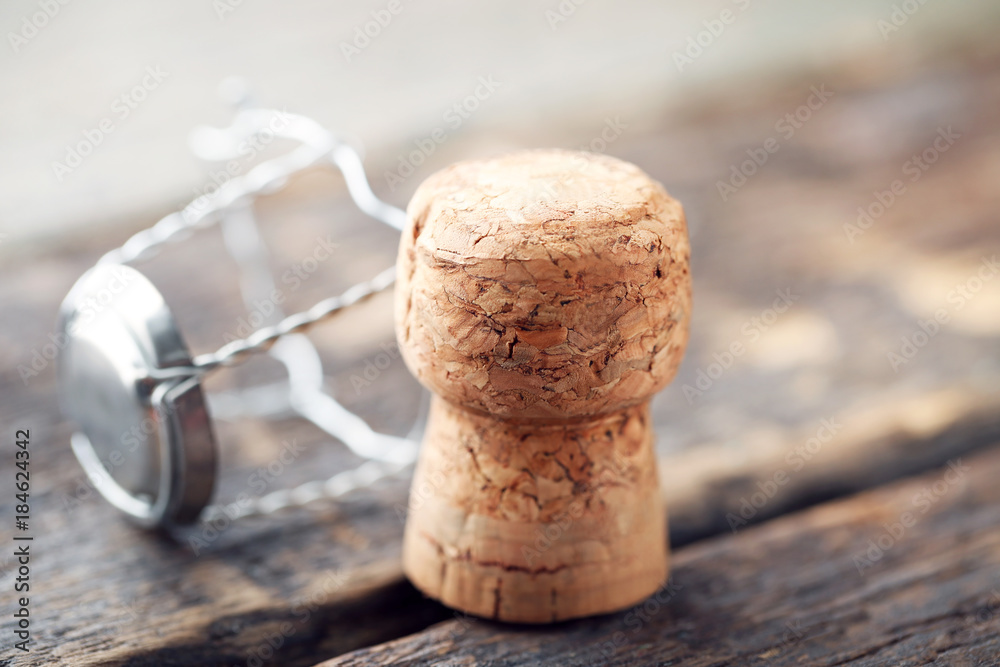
(516, 207)
(543, 285)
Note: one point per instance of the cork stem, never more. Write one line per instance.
(534, 523)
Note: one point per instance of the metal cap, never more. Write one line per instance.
(145, 438)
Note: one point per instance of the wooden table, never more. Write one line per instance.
(826, 507)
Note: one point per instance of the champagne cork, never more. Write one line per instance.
(543, 297)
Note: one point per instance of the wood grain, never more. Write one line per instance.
(108, 594)
(908, 574)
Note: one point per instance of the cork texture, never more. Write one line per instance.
(544, 284)
(536, 524)
(543, 296)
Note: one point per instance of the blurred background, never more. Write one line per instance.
(563, 67)
(102, 97)
(839, 165)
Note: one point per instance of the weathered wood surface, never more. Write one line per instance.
(108, 594)
(905, 575)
